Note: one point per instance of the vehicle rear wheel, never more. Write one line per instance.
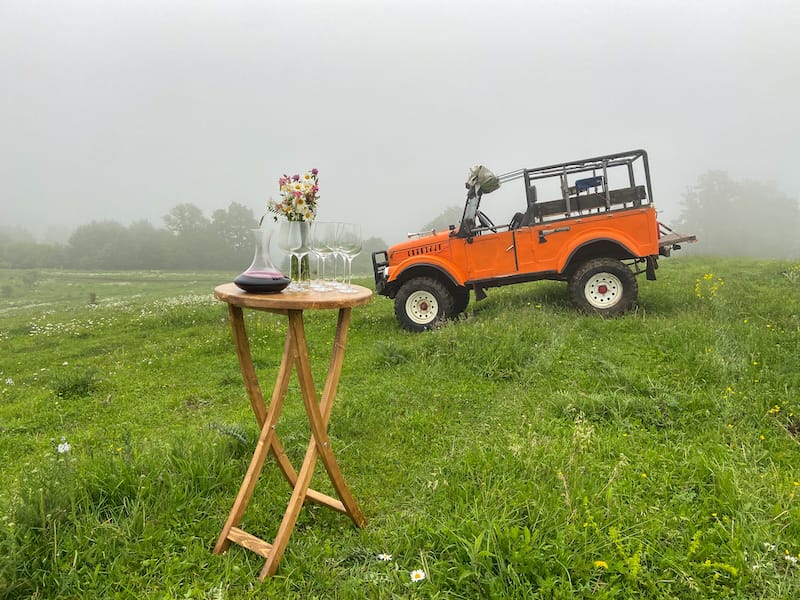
(603, 286)
(422, 303)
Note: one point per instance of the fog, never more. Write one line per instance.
(120, 110)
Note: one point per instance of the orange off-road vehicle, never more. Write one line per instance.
(596, 229)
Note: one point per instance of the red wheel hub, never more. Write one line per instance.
(602, 289)
(423, 306)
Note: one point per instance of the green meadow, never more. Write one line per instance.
(524, 451)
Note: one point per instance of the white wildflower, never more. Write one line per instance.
(64, 446)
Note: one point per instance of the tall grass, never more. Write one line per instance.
(524, 451)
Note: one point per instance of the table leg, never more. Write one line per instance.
(319, 445)
(319, 413)
(254, 389)
(267, 421)
(267, 440)
(295, 355)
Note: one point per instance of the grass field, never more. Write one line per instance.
(525, 451)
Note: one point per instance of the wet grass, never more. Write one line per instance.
(525, 451)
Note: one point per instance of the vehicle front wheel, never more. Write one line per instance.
(422, 303)
(603, 286)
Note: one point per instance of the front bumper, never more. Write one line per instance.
(380, 268)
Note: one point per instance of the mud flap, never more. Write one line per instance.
(650, 270)
(480, 293)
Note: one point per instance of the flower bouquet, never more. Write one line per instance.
(299, 197)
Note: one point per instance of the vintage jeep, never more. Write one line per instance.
(597, 233)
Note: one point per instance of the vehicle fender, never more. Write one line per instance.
(620, 238)
(428, 264)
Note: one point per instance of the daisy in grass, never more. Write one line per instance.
(417, 575)
(64, 446)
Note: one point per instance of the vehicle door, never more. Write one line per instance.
(490, 254)
(539, 247)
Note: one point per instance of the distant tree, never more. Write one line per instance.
(30, 255)
(186, 219)
(100, 245)
(747, 218)
(148, 246)
(192, 246)
(450, 216)
(234, 224)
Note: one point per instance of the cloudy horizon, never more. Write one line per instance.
(121, 111)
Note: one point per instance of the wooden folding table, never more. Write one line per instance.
(295, 357)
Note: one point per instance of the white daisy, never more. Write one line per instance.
(418, 575)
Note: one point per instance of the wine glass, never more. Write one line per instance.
(336, 252)
(293, 241)
(350, 246)
(323, 235)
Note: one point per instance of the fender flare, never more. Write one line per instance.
(622, 242)
(442, 268)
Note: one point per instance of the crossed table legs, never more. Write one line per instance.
(295, 355)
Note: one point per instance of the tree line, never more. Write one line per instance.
(188, 241)
(733, 218)
(741, 218)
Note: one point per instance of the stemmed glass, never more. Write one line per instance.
(293, 241)
(323, 235)
(336, 252)
(349, 243)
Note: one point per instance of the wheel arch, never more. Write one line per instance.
(595, 248)
(432, 270)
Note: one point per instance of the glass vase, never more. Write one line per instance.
(262, 276)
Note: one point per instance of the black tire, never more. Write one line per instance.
(603, 286)
(422, 303)
(460, 300)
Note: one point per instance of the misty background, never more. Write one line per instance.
(121, 111)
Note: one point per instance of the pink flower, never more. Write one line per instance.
(314, 171)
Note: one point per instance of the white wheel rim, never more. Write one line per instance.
(603, 290)
(422, 307)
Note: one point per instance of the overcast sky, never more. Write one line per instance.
(122, 109)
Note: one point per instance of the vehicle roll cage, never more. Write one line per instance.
(594, 187)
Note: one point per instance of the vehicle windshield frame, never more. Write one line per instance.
(468, 218)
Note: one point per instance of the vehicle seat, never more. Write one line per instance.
(516, 221)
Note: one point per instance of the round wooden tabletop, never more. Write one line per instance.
(285, 300)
